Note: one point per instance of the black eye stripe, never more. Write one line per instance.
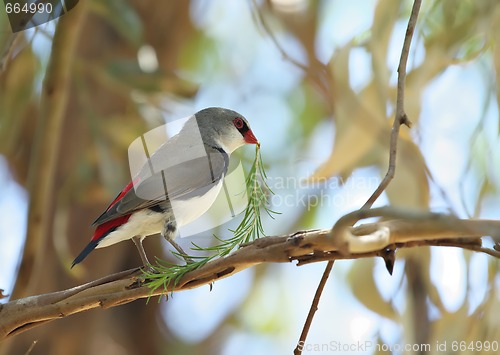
(240, 125)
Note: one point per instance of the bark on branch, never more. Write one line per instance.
(409, 229)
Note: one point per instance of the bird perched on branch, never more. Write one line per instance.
(179, 182)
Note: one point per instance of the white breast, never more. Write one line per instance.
(146, 222)
(186, 211)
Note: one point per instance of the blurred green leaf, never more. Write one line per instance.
(197, 56)
(410, 186)
(453, 326)
(363, 286)
(421, 259)
(125, 75)
(359, 121)
(128, 73)
(309, 110)
(472, 47)
(16, 93)
(384, 19)
(122, 16)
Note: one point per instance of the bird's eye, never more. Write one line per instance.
(238, 123)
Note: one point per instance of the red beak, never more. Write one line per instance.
(250, 138)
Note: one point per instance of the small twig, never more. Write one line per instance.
(271, 35)
(314, 308)
(401, 117)
(317, 78)
(46, 148)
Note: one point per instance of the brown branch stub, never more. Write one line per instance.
(405, 121)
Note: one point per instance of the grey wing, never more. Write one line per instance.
(182, 181)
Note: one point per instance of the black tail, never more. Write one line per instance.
(91, 246)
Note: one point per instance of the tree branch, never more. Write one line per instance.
(418, 229)
(401, 117)
(313, 308)
(45, 150)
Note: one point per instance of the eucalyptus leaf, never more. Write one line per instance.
(363, 285)
(128, 74)
(16, 94)
(122, 16)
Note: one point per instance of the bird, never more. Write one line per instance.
(178, 183)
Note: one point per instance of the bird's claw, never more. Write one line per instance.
(148, 268)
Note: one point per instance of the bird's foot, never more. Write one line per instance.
(184, 256)
(148, 268)
(180, 251)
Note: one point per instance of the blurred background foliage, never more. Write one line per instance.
(316, 79)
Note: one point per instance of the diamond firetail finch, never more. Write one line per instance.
(162, 200)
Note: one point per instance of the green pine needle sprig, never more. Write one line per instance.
(165, 274)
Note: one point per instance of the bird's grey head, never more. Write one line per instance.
(224, 128)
